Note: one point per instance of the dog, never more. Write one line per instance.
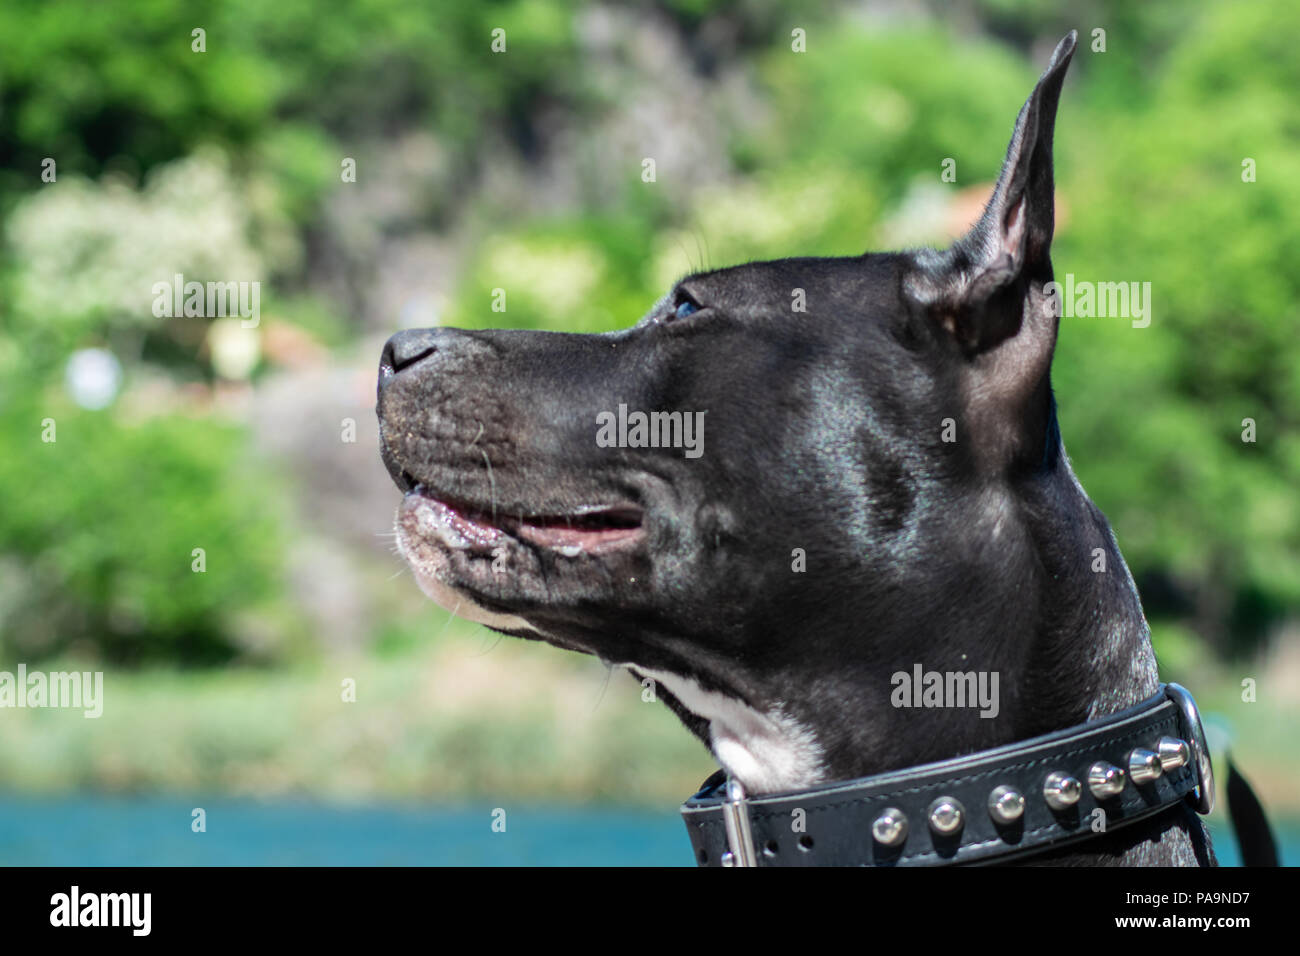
(897, 437)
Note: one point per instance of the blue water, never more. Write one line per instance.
(151, 831)
(136, 831)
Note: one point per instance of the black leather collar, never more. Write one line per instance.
(964, 810)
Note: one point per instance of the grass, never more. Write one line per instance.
(466, 716)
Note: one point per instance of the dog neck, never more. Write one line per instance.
(1077, 648)
(1090, 657)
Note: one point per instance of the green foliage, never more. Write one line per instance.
(865, 104)
(120, 83)
(87, 254)
(1154, 416)
(99, 527)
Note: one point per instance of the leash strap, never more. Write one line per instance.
(989, 806)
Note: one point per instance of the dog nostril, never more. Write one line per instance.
(404, 350)
(400, 362)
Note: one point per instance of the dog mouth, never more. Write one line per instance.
(501, 567)
(520, 564)
(588, 529)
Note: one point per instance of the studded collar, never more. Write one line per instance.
(986, 807)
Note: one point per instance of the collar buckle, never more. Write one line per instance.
(740, 838)
(1204, 801)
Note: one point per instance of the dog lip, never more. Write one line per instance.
(572, 541)
(455, 527)
(591, 529)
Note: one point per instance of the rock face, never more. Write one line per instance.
(317, 423)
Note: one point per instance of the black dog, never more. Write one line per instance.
(878, 486)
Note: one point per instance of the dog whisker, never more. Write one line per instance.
(604, 687)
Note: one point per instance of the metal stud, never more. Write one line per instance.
(890, 828)
(1174, 753)
(1105, 779)
(1144, 766)
(947, 816)
(1006, 805)
(1061, 791)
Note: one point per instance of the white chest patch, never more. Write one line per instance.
(767, 751)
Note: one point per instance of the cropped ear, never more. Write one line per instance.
(977, 289)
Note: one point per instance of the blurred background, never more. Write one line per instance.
(133, 149)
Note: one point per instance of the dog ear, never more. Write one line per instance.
(977, 288)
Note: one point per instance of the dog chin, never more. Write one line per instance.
(431, 552)
(460, 604)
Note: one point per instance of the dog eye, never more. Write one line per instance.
(685, 306)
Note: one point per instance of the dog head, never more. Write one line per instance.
(787, 481)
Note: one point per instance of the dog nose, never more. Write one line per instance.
(405, 349)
